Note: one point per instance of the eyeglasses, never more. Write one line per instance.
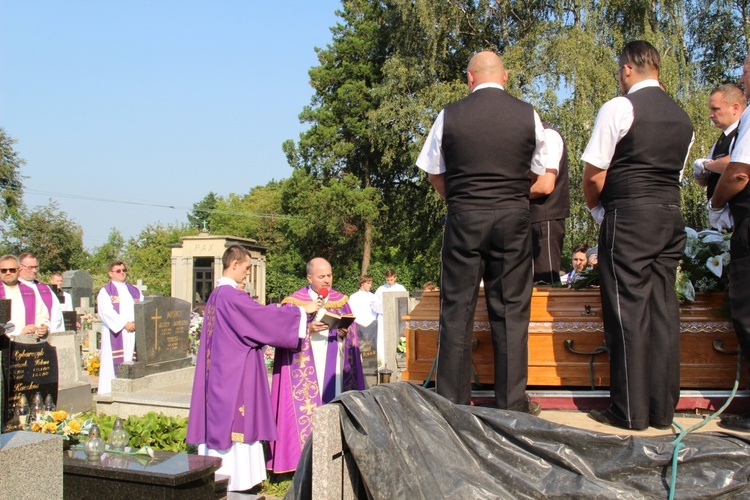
(30, 267)
(8, 270)
(119, 271)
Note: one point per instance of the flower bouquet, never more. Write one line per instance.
(194, 333)
(70, 427)
(705, 264)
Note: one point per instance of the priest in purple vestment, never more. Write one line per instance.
(327, 364)
(230, 408)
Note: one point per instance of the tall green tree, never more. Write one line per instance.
(200, 216)
(102, 256)
(47, 232)
(11, 180)
(149, 256)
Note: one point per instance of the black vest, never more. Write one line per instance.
(646, 166)
(488, 142)
(719, 151)
(555, 205)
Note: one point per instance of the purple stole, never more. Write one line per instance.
(29, 301)
(296, 382)
(118, 349)
(46, 295)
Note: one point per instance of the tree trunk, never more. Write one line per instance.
(367, 248)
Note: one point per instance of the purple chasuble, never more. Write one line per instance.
(29, 301)
(295, 392)
(230, 399)
(118, 350)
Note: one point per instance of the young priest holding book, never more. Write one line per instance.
(328, 363)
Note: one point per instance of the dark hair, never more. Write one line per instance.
(117, 263)
(730, 94)
(641, 55)
(232, 253)
(581, 247)
(390, 272)
(364, 279)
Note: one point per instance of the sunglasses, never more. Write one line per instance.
(8, 270)
(120, 271)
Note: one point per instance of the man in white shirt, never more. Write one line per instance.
(725, 107)
(633, 162)
(27, 314)
(480, 154)
(56, 280)
(732, 194)
(27, 276)
(116, 303)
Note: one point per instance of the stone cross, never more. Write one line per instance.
(140, 286)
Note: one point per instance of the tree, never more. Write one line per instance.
(48, 233)
(201, 214)
(102, 256)
(149, 257)
(11, 180)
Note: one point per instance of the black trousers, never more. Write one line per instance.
(739, 278)
(639, 250)
(546, 246)
(494, 245)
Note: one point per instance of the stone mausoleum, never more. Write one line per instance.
(196, 265)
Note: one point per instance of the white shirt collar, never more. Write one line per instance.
(224, 280)
(651, 82)
(487, 85)
(730, 128)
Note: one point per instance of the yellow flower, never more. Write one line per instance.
(36, 427)
(75, 426)
(49, 427)
(59, 416)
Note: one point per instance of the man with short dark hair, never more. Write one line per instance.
(230, 407)
(725, 107)
(116, 303)
(579, 261)
(634, 159)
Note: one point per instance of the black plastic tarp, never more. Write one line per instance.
(410, 443)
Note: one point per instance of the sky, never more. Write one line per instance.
(128, 112)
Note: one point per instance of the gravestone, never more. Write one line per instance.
(162, 326)
(368, 336)
(31, 368)
(79, 285)
(74, 392)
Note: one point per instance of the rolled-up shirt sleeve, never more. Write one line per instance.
(539, 159)
(431, 158)
(612, 124)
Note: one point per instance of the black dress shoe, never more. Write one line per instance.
(534, 408)
(735, 422)
(661, 427)
(609, 418)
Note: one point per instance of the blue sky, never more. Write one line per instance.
(124, 108)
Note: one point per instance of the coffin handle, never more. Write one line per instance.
(719, 346)
(591, 354)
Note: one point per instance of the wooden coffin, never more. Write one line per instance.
(566, 341)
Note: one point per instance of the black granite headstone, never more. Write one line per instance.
(78, 284)
(368, 336)
(162, 341)
(32, 368)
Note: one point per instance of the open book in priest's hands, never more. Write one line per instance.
(333, 320)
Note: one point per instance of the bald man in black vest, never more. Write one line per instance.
(634, 158)
(481, 155)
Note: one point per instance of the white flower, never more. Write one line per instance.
(693, 243)
(709, 237)
(714, 265)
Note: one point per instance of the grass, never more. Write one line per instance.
(277, 484)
